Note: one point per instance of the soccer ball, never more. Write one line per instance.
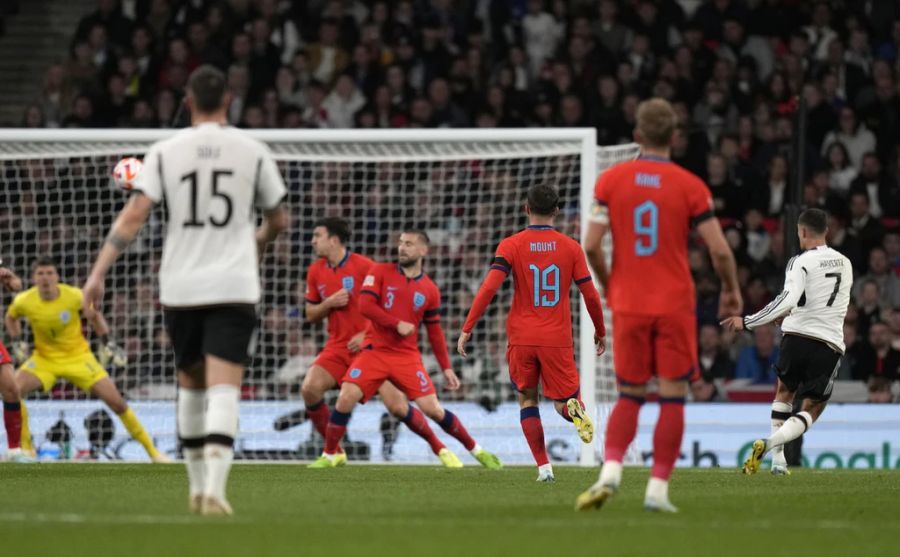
(126, 173)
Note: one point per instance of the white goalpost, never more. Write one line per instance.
(465, 187)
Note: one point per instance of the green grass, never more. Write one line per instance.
(133, 510)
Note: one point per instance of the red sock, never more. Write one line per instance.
(454, 427)
(337, 426)
(318, 414)
(12, 419)
(530, 418)
(622, 426)
(416, 422)
(667, 437)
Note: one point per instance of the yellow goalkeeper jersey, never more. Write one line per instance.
(56, 324)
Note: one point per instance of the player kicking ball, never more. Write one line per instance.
(816, 294)
(332, 290)
(544, 263)
(650, 205)
(53, 310)
(397, 299)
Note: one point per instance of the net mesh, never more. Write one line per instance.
(58, 200)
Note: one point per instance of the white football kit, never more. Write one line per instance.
(213, 179)
(816, 294)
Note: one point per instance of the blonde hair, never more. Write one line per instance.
(656, 122)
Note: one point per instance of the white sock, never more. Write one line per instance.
(611, 474)
(657, 489)
(778, 452)
(476, 449)
(792, 429)
(221, 428)
(190, 411)
(545, 469)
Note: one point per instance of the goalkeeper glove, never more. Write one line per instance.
(20, 351)
(111, 352)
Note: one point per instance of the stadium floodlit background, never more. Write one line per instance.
(734, 70)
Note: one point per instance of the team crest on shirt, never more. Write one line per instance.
(355, 373)
(347, 283)
(418, 300)
(65, 316)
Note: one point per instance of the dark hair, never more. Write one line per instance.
(206, 87)
(542, 199)
(43, 261)
(335, 226)
(420, 233)
(815, 220)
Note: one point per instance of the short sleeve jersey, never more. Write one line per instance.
(415, 300)
(323, 280)
(651, 205)
(543, 264)
(55, 324)
(212, 179)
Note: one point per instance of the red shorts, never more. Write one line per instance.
(370, 369)
(4, 356)
(335, 359)
(554, 366)
(660, 345)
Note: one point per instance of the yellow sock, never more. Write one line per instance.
(26, 444)
(137, 431)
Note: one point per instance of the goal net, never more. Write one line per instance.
(464, 187)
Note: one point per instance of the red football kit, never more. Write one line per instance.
(651, 205)
(4, 355)
(543, 263)
(323, 280)
(388, 296)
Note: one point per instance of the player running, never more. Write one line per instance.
(213, 180)
(397, 299)
(650, 206)
(816, 294)
(543, 263)
(54, 311)
(332, 290)
(12, 407)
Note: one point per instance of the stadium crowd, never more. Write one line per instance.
(733, 69)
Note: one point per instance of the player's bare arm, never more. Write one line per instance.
(275, 221)
(730, 301)
(593, 248)
(14, 332)
(461, 344)
(405, 328)
(9, 280)
(129, 222)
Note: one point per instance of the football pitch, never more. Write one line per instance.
(132, 510)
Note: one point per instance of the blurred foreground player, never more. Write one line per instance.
(12, 407)
(397, 299)
(333, 286)
(817, 285)
(213, 179)
(650, 205)
(543, 263)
